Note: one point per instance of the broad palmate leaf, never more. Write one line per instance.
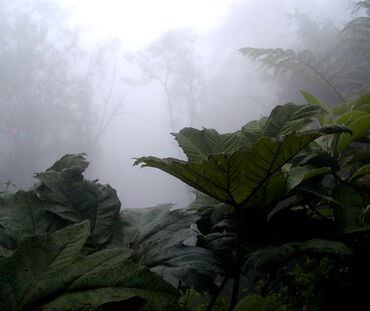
(75, 199)
(62, 197)
(163, 240)
(235, 178)
(46, 272)
(198, 144)
(283, 120)
(290, 117)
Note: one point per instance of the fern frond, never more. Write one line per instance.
(363, 5)
(304, 63)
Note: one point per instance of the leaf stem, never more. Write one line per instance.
(238, 254)
(215, 296)
(187, 299)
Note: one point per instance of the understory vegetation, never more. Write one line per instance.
(280, 221)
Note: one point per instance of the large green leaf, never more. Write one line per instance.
(287, 118)
(349, 210)
(235, 178)
(35, 257)
(312, 100)
(201, 200)
(272, 258)
(321, 159)
(301, 173)
(258, 303)
(69, 161)
(363, 103)
(74, 199)
(360, 157)
(359, 126)
(350, 116)
(23, 213)
(198, 144)
(335, 129)
(164, 241)
(283, 120)
(363, 170)
(217, 230)
(63, 197)
(252, 131)
(46, 272)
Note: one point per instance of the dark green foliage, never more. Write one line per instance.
(334, 129)
(268, 260)
(47, 272)
(197, 145)
(258, 303)
(284, 198)
(163, 241)
(281, 210)
(283, 120)
(226, 177)
(63, 197)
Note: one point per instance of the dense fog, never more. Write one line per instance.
(113, 80)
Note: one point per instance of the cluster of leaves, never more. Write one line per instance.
(65, 245)
(281, 210)
(281, 192)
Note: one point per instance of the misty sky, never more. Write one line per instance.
(235, 95)
(138, 22)
(223, 26)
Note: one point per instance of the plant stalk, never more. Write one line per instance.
(238, 254)
(215, 296)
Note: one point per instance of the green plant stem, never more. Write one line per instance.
(315, 210)
(187, 299)
(95, 243)
(238, 254)
(215, 296)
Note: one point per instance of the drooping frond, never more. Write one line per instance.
(363, 5)
(304, 63)
(344, 70)
(356, 34)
